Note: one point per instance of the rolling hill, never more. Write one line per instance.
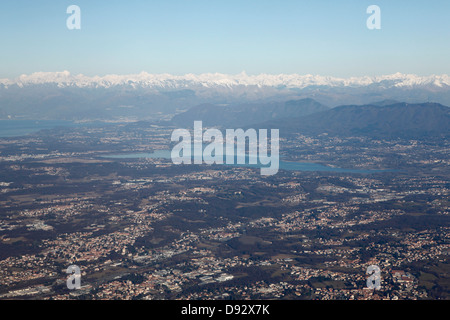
(395, 120)
(235, 116)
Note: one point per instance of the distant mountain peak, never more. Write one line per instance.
(386, 102)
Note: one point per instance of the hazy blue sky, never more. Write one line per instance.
(326, 37)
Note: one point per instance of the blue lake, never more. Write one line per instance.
(15, 128)
(286, 165)
(18, 128)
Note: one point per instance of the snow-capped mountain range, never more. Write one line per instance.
(214, 80)
(61, 95)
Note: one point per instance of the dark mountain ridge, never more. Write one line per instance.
(239, 115)
(395, 120)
